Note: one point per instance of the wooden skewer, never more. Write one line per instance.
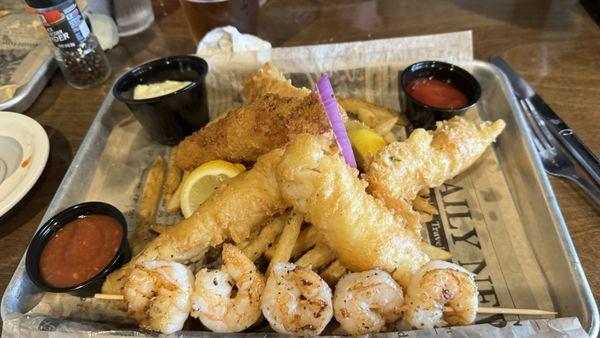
(509, 311)
(108, 297)
(501, 310)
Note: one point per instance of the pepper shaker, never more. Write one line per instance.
(77, 50)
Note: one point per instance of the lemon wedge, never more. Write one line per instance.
(365, 144)
(203, 181)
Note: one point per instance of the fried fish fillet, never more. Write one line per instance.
(427, 159)
(248, 132)
(362, 232)
(233, 211)
(269, 80)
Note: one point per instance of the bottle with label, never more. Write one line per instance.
(78, 52)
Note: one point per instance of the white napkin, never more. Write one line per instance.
(227, 47)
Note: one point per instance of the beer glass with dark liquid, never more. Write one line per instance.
(204, 15)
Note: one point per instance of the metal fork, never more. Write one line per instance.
(555, 159)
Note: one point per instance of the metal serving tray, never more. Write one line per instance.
(536, 204)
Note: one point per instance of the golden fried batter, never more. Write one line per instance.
(233, 211)
(362, 232)
(269, 80)
(427, 159)
(246, 133)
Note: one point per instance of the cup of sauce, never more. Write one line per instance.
(74, 251)
(435, 91)
(167, 96)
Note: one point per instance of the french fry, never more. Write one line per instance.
(333, 273)
(173, 204)
(174, 174)
(434, 252)
(424, 192)
(368, 117)
(255, 247)
(372, 114)
(425, 217)
(352, 124)
(270, 250)
(317, 257)
(305, 241)
(385, 125)
(148, 205)
(288, 238)
(159, 228)
(421, 204)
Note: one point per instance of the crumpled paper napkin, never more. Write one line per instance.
(225, 48)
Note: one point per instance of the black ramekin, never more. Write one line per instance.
(424, 116)
(171, 117)
(45, 232)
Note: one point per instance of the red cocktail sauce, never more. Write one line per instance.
(80, 250)
(436, 93)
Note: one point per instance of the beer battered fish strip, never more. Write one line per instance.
(269, 80)
(362, 232)
(241, 204)
(244, 134)
(427, 159)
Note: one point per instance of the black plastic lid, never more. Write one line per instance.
(44, 3)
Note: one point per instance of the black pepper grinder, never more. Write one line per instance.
(78, 52)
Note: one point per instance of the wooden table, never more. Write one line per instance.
(554, 44)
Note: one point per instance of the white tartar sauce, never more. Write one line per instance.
(147, 91)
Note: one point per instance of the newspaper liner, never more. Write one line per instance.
(24, 47)
(478, 220)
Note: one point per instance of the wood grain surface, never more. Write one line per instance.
(554, 44)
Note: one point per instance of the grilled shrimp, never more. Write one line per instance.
(212, 302)
(364, 302)
(436, 285)
(296, 301)
(158, 295)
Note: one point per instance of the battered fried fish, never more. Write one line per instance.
(248, 132)
(427, 159)
(363, 233)
(240, 205)
(269, 80)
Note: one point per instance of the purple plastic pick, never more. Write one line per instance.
(332, 109)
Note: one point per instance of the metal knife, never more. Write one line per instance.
(559, 129)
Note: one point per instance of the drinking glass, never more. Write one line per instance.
(204, 15)
(133, 16)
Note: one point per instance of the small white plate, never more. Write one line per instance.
(24, 149)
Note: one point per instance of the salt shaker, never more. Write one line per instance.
(77, 50)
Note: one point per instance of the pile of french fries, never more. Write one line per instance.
(285, 237)
(375, 118)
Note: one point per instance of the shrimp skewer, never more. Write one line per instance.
(296, 300)
(212, 300)
(158, 295)
(437, 285)
(365, 302)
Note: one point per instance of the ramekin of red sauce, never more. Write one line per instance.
(435, 91)
(75, 250)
